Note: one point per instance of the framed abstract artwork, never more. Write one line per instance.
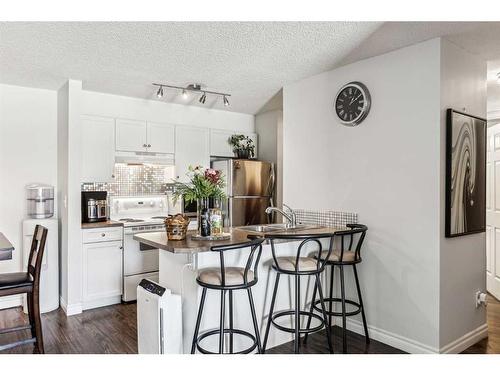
(465, 174)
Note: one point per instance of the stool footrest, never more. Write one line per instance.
(216, 331)
(301, 313)
(336, 313)
(17, 343)
(14, 329)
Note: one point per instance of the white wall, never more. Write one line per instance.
(99, 104)
(388, 171)
(463, 259)
(28, 154)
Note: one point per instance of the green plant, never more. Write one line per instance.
(203, 183)
(241, 142)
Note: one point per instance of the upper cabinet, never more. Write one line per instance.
(142, 136)
(192, 147)
(161, 137)
(131, 135)
(98, 144)
(219, 142)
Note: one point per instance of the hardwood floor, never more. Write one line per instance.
(113, 329)
(491, 344)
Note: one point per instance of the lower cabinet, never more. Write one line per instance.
(102, 268)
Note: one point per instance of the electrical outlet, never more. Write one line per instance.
(481, 299)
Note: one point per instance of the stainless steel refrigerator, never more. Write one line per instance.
(249, 190)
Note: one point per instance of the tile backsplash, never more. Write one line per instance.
(135, 180)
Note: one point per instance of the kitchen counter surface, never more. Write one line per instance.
(102, 224)
(159, 239)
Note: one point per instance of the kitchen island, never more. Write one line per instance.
(180, 262)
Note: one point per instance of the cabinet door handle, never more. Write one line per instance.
(103, 234)
(121, 247)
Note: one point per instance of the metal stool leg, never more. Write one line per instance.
(231, 321)
(311, 310)
(330, 302)
(327, 329)
(273, 300)
(365, 326)
(344, 318)
(297, 314)
(198, 320)
(222, 322)
(254, 319)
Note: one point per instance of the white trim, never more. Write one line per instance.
(467, 340)
(102, 301)
(389, 338)
(10, 301)
(493, 115)
(73, 309)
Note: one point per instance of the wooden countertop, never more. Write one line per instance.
(102, 224)
(159, 239)
(5, 248)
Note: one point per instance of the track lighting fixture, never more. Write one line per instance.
(159, 94)
(498, 77)
(194, 87)
(203, 98)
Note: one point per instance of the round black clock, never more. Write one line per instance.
(352, 103)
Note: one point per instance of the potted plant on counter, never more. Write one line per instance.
(203, 184)
(243, 146)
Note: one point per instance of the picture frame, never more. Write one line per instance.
(465, 211)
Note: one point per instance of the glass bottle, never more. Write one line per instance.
(203, 217)
(216, 218)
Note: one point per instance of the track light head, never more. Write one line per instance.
(203, 98)
(159, 94)
(184, 94)
(226, 101)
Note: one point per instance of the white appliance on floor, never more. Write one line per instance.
(49, 277)
(159, 319)
(139, 215)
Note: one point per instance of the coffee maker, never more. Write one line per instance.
(94, 206)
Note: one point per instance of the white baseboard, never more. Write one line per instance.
(467, 340)
(11, 301)
(101, 302)
(73, 309)
(389, 338)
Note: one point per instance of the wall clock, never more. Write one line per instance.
(352, 103)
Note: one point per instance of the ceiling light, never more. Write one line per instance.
(184, 94)
(159, 94)
(226, 102)
(498, 77)
(203, 98)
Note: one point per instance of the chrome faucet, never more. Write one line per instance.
(291, 217)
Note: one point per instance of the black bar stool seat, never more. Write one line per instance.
(226, 280)
(19, 280)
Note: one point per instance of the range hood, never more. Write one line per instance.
(139, 158)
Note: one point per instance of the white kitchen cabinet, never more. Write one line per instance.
(98, 140)
(161, 137)
(192, 147)
(131, 135)
(219, 145)
(102, 267)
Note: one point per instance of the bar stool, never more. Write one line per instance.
(298, 266)
(346, 256)
(29, 283)
(228, 279)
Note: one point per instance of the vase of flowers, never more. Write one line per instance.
(243, 146)
(203, 184)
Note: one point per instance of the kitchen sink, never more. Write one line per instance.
(275, 227)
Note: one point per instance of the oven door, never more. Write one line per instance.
(135, 260)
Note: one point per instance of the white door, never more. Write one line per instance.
(493, 212)
(131, 135)
(161, 137)
(102, 270)
(192, 147)
(98, 149)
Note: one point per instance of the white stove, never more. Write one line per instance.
(139, 215)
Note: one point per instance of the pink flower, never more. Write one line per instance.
(212, 175)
